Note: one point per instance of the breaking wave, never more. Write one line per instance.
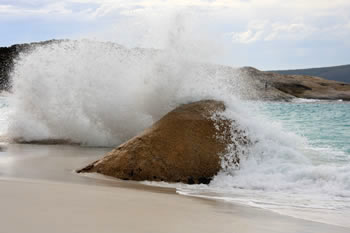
(101, 94)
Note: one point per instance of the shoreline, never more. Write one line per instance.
(50, 206)
(40, 190)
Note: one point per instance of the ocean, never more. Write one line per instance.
(315, 187)
(98, 95)
(311, 181)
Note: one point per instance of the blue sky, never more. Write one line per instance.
(267, 34)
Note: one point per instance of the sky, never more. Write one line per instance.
(266, 34)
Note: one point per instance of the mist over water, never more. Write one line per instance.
(102, 94)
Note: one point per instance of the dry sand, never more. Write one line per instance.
(40, 193)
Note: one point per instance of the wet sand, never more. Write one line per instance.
(39, 192)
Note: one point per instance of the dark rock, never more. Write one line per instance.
(8, 56)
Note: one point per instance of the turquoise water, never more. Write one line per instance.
(326, 125)
(300, 165)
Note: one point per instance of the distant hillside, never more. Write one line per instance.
(337, 73)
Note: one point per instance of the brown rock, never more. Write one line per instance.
(274, 86)
(186, 145)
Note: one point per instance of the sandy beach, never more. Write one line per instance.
(41, 193)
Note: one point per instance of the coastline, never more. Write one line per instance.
(64, 207)
(40, 193)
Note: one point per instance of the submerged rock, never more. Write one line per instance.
(186, 145)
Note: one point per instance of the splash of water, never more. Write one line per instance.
(102, 93)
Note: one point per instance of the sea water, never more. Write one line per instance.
(101, 94)
(316, 187)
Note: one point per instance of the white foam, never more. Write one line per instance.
(4, 114)
(103, 94)
(303, 100)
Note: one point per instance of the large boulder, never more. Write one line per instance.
(187, 145)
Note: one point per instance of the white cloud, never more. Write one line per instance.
(248, 21)
(267, 31)
(249, 5)
(318, 26)
(247, 36)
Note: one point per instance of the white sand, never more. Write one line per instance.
(68, 203)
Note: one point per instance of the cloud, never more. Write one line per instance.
(230, 9)
(264, 25)
(268, 31)
(245, 5)
(246, 21)
(18, 9)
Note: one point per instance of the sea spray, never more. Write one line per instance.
(101, 94)
(284, 172)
